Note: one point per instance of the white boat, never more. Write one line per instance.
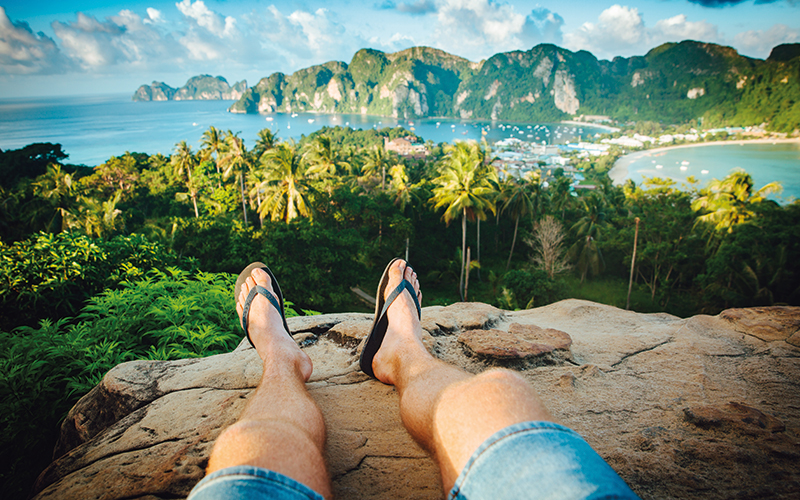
(684, 167)
(310, 120)
(659, 167)
(704, 172)
(269, 118)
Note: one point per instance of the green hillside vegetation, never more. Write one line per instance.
(136, 258)
(674, 83)
(198, 87)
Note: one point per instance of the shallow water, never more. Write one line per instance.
(765, 162)
(93, 129)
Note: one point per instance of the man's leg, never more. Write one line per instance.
(448, 411)
(282, 428)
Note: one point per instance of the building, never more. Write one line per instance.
(404, 146)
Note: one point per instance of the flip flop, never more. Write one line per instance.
(276, 300)
(381, 323)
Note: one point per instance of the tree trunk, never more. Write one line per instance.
(244, 206)
(463, 250)
(633, 263)
(194, 200)
(479, 251)
(513, 242)
(466, 280)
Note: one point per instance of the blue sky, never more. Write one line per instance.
(70, 47)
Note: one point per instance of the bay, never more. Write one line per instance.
(95, 128)
(765, 161)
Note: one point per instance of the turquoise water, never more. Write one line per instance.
(93, 129)
(765, 162)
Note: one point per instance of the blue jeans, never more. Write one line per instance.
(528, 460)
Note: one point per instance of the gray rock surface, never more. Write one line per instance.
(704, 407)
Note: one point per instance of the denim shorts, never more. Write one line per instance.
(527, 460)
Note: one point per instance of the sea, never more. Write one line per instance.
(765, 161)
(92, 129)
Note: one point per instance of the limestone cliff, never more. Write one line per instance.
(704, 407)
(202, 87)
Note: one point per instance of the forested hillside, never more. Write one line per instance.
(672, 84)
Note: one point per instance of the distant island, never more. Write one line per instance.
(675, 83)
(202, 87)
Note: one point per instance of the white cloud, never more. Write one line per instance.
(304, 38)
(679, 28)
(24, 52)
(617, 29)
(121, 39)
(211, 21)
(621, 31)
(154, 16)
(481, 28)
(759, 43)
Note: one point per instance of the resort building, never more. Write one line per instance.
(406, 146)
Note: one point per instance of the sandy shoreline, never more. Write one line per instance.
(590, 124)
(619, 172)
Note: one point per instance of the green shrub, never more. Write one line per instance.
(45, 370)
(526, 289)
(52, 275)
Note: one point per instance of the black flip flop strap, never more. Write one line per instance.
(250, 296)
(404, 285)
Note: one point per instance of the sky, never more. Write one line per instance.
(80, 47)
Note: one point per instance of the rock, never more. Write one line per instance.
(767, 323)
(737, 416)
(703, 407)
(519, 342)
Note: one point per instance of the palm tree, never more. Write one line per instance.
(519, 199)
(589, 231)
(729, 201)
(213, 143)
(404, 191)
(376, 163)
(323, 160)
(265, 141)
(56, 188)
(465, 187)
(235, 161)
(285, 186)
(183, 163)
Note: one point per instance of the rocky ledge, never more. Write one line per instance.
(704, 407)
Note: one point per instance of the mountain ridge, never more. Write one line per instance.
(200, 87)
(677, 82)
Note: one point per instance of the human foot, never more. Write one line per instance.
(266, 326)
(404, 333)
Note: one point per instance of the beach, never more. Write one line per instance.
(619, 172)
(609, 128)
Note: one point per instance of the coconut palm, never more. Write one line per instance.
(520, 198)
(323, 159)
(235, 161)
(729, 202)
(265, 140)
(285, 186)
(466, 188)
(376, 163)
(213, 142)
(56, 188)
(183, 163)
(589, 231)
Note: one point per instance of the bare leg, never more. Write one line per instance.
(448, 411)
(281, 429)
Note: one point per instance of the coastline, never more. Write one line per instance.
(591, 124)
(619, 172)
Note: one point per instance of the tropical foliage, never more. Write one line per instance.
(163, 234)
